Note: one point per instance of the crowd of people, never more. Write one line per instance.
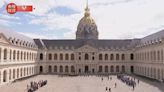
(130, 81)
(36, 85)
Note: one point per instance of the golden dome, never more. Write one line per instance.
(87, 28)
(87, 19)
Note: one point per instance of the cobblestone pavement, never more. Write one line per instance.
(83, 84)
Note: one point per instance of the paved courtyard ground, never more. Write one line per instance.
(83, 84)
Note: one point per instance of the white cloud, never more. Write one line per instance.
(2, 2)
(34, 35)
(115, 18)
(4, 22)
(8, 17)
(54, 21)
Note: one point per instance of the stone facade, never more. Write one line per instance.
(21, 57)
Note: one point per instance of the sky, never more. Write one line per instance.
(58, 19)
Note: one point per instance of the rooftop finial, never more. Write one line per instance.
(87, 4)
(87, 13)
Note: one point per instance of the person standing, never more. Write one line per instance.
(106, 88)
(115, 84)
(109, 89)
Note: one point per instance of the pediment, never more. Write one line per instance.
(3, 39)
(87, 48)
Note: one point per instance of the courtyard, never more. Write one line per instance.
(83, 84)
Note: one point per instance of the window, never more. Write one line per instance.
(17, 55)
(5, 54)
(111, 57)
(131, 56)
(50, 56)
(55, 57)
(41, 56)
(100, 56)
(106, 56)
(100, 68)
(117, 57)
(72, 57)
(123, 56)
(66, 57)
(86, 56)
(61, 56)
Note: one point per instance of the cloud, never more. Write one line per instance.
(54, 21)
(35, 35)
(116, 19)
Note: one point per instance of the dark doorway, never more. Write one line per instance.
(41, 69)
(79, 70)
(132, 69)
(49, 69)
(93, 70)
(86, 69)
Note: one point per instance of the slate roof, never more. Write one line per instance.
(46, 43)
(14, 35)
(156, 36)
(79, 43)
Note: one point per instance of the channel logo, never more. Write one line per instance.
(12, 8)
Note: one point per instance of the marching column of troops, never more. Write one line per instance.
(36, 85)
(127, 80)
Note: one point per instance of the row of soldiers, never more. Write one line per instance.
(128, 80)
(35, 85)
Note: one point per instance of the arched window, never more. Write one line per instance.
(106, 69)
(161, 55)
(24, 55)
(72, 56)
(111, 57)
(41, 56)
(55, 56)
(49, 56)
(61, 69)
(40, 70)
(100, 56)
(55, 68)
(4, 76)
(106, 56)
(17, 55)
(117, 57)
(86, 56)
(123, 56)
(154, 55)
(117, 69)
(13, 73)
(10, 54)
(21, 55)
(14, 54)
(5, 54)
(27, 56)
(123, 69)
(158, 55)
(72, 69)
(61, 56)
(66, 69)
(49, 69)
(100, 69)
(66, 57)
(112, 69)
(131, 56)
(17, 73)
(21, 72)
